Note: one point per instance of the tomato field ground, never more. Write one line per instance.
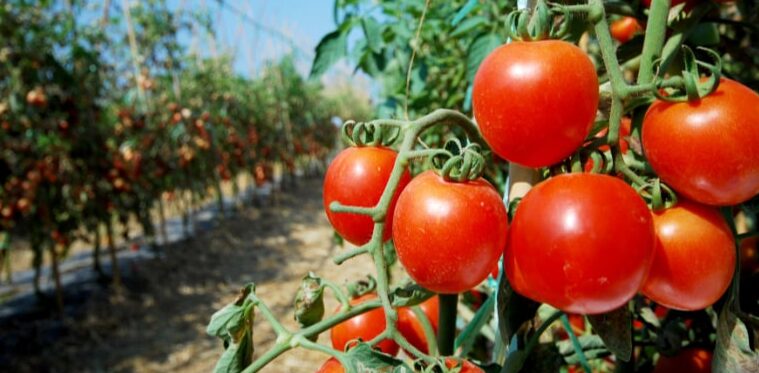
(158, 323)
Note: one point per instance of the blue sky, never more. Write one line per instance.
(303, 21)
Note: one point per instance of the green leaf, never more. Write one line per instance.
(471, 4)
(229, 317)
(733, 352)
(513, 310)
(615, 329)
(373, 32)
(236, 357)
(228, 321)
(469, 25)
(410, 295)
(309, 301)
(366, 359)
(331, 49)
(479, 49)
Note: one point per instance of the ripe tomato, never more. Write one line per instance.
(690, 360)
(624, 29)
(357, 177)
(365, 326)
(466, 366)
(582, 243)
(535, 102)
(411, 327)
(331, 366)
(694, 257)
(448, 235)
(707, 150)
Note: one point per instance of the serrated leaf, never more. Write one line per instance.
(373, 33)
(468, 7)
(330, 49)
(479, 49)
(615, 329)
(733, 352)
(469, 25)
(513, 310)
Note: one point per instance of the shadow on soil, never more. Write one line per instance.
(165, 301)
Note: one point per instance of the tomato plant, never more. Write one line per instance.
(683, 140)
(357, 176)
(557, 87)
(365, 327)
(694, 257)
(411, 327)
(565, 250)
(448, 235)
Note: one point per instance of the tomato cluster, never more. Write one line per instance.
(430, 219)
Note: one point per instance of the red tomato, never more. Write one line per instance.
(357, 177)
(411, 327)
(707, 150)
(448, 235)
(582, 243)
(535, 102)
(365, 326)
(690, 360)
(624, 29)
(331, 366)
(694, 257)
(749, 255)
(466, 366)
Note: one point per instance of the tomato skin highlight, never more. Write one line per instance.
(365, 326)
(624, 29)
(357, 177)
(411, 327)
(689, 360)
(694, 258)
(582, 243)
(707, 150)
(535, 102)
(448, 235)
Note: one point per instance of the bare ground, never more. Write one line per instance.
(157, 323)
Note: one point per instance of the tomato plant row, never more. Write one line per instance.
(88, 144)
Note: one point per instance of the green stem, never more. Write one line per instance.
(429, 332)
(267, 358)
(655, 34)
(345, 255)
(447, 327)
(575, 343)
(269, 315)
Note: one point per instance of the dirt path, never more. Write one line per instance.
(158, 324)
